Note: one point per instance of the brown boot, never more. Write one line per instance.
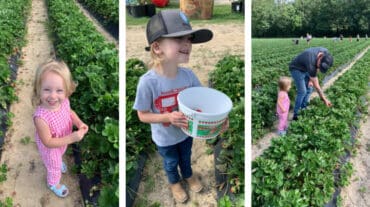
(178, 192)
(194, 184)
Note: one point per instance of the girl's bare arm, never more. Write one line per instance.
(46, 138)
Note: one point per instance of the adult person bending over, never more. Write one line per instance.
(304, 69)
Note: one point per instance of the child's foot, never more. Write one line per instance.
(178, 192)
(59, 190)
(194, 184)
(281, 132)
(64, 167)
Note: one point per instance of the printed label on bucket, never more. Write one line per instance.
(205, 130)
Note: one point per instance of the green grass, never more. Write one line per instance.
(221, 14)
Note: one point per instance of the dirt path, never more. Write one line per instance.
(265, 142)
(228, 39)
(356, 194)
(26, 178)
(98, 26)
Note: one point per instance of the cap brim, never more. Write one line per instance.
(200, 35)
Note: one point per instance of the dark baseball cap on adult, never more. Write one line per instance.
(174, 23)
(326, 62)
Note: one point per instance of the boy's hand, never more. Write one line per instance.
(178, 119)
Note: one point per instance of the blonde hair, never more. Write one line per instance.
(156, 59)
(284, 83)
(57, 67)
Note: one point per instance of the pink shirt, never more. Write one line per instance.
(285, 102)
(59, 122)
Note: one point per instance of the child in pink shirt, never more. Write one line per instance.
(54, 120)
(283, 104)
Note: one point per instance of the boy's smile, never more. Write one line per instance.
(187, 52)
(177, 49)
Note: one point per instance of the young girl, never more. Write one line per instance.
(54, 120)
(308, 38)
(283, 103)
(170, 37)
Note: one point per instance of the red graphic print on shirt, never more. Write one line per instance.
(167, 102)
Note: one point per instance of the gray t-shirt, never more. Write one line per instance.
(306, 61)
(158, 94)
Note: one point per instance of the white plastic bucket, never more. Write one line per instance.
(206, 110)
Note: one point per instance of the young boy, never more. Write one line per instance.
(170, 39)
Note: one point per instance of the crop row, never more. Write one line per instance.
(138, 136)
(273, 48)
(94, 65)
(108, 9)
(13, 18)
(276, 62)
(228, 77)
(264, 90)
(305, 167)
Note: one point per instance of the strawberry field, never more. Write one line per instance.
(309, 166)
(13, 17)
(94, 66)
(270, 60)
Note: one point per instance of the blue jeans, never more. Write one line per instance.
(177, 155)
(303, 90)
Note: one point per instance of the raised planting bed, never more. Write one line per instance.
(13, 18)
(228, 77)
(106, 12)
(309, 165)
(138, 142)
(94, 65)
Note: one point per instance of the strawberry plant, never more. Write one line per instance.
(13, 18)
(7, 203)
(225, 202)
(94, 65)
(305, 167)
(108, 9)
(228, 77)
(137, 134)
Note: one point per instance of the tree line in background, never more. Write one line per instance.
(292, 18)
